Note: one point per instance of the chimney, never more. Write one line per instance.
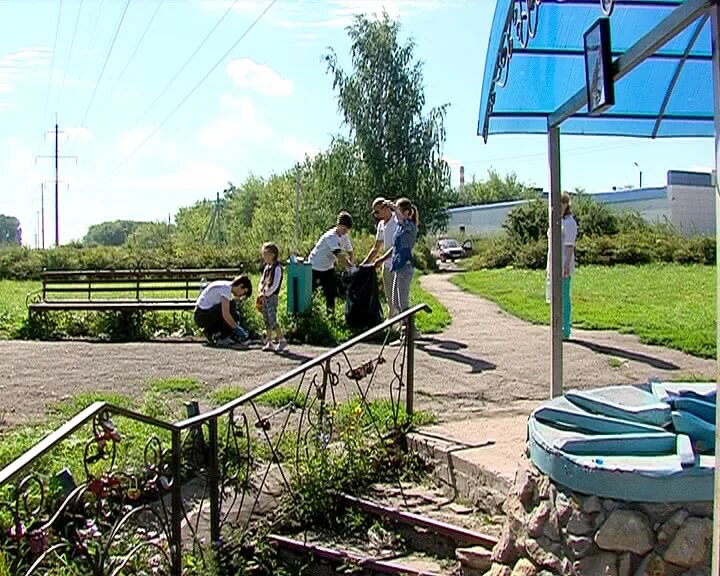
(462, 177)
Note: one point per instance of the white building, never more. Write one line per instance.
(687, 202)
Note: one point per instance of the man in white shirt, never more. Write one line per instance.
(384, 211)
(332, 246)
(216, 310)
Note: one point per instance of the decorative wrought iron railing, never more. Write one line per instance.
(144, 501)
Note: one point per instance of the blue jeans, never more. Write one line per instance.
(567, 307)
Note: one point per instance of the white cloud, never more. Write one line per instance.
(161, 148)
(247, 73)
(239, 120)
(18, 65)
(78, 134)
(297, 149)
(194, 176)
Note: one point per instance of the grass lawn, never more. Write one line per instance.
(13, 310)
(12, 304)
(669, 304)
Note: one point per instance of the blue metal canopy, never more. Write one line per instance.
(535, 63)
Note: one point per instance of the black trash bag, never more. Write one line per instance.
(362, 302)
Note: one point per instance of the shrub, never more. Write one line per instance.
(593, 218)
(527, 222)
(532, 255)
(493, 253)
(424, 260)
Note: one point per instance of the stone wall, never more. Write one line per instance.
(553, 531)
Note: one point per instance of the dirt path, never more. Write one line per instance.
(500, 360)
(487, 361)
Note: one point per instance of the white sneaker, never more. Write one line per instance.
(268, 346)
(281, 345)
(226, 342)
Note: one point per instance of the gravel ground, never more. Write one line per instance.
(485, 362)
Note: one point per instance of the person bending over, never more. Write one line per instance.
(216, 310)
(332, 246)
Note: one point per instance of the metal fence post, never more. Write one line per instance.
(177, 514)
(410, 369)
(213, 481)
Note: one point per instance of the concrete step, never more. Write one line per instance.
(458, 535)
(329, 558)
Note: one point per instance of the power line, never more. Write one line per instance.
(570, 152)
(177, 74)
(92, 37)
(52, 62)
(107, 57)
(72, 45)
(137, 46)
(205, 77)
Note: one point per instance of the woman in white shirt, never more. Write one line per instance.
(216, 311)
(334, 244)
(569, 237)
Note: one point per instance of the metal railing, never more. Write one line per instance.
(167, 490)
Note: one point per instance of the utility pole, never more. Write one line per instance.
(42, 213)
(57, 158)
(42, 205)
(215, 222)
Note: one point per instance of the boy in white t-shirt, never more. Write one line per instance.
(216, 310)
(333, 245)
(383, 211)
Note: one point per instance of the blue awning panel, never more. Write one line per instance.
(668, 95)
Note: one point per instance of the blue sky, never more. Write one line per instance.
(263, 107)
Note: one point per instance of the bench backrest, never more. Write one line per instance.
(167, 284)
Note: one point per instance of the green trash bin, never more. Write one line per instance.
(299, 286)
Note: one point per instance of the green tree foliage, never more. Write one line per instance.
(10, 234)
(150, 235)
(495, 188)
(191, 222)
(593, 218)
(382, 101)
(113, 233)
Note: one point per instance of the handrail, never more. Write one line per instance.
(54, 438)
(60, 434)
(318, 361)
(50, 441)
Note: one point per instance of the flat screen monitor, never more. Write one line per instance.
(598, 67)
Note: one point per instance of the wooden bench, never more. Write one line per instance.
(123, 290)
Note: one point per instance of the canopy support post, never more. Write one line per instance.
(555, 264)
(715, 33)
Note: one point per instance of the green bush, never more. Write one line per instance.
(593, 218)
(495, 252)
(424, 260)
(532, 255)
(527, 222)
(22, 263)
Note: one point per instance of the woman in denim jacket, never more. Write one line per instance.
(401, 252)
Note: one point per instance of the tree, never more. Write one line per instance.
(10, 233)
(495, 188)
(382, 101)
(151, 235)
(113, 233)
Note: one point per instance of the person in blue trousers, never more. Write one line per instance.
(569, 238)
